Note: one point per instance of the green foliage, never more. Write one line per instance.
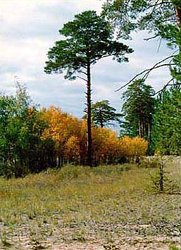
(159, 178)
(148, 162)
(161, 181)
(162, 18)
(167, 122)
(155, 16)
(88, 38)
(138, 109)
(176, 68)
(103, 114)
(173, 247)
(22, 149)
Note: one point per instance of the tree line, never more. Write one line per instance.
(32, 139)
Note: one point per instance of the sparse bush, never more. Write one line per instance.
(149, 162)
(160, 179)
(173, 247)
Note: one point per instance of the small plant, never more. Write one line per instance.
(173, 247)
(79, 236)
(162, 182)
(149, 162)
(5, 240)
(159, 179)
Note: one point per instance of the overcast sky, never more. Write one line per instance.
(30, 27)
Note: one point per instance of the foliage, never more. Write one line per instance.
(32, 140)
(176, 68)
(133, 147)
(161, 179)
(167, 122)
(103, 114)
(138, 109)
(173, 247)
(159, 17)
(72, 150)
(69, 136)
(87, 39)
(105, 146)
(162, 19)
(22, 149)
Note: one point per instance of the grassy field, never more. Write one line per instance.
(109, 205)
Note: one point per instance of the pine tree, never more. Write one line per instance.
(138, 109)
(87, 39)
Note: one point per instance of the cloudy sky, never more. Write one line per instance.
(30, 27)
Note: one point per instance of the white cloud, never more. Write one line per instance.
(30, 27)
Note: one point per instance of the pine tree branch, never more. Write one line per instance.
(82, 78)
(150, 38)
(166, 85)
(146, 72)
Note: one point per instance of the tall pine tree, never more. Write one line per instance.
(138, 109)
(87, 39)
(167, 122)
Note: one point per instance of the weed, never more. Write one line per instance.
(4, 239)
(173, 247)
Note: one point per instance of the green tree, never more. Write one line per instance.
(87, 39)
(22, 148)
(138, 109)
(161, 18)
(167, 122)
(7, 104)
(103, 114)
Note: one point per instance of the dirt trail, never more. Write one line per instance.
(123, 243)
(156, 243)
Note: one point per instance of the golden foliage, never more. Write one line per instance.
(70, 137)
(131, 147)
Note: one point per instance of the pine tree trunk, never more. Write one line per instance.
(178, 15)
(149, 132)
(101, 120)
(161, 179)
(139, 128)
(89, 127)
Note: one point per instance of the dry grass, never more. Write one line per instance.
(84, 204)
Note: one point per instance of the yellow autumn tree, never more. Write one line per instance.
(66, 131)
(72, 150)
(70, 137)
(133, 147)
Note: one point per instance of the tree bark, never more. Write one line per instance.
(178, 15)
(101, 119)
(161, 178)
(89, 125)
